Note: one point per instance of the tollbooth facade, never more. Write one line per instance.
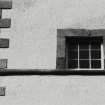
(25, 35)
(52, 52)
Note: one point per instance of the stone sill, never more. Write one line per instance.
(44, 72)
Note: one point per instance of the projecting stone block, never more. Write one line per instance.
(60, 63)
(3, 63)
(72, 32)
(2, 91)
(5, 23)
(5, 4)
(4, 43)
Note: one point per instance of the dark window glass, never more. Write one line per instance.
(73, 46)
(84, 54)
(89, 49)
(84, 63)
(73, 64)
(95, 63)
(83, 46)
(95, 54)
(73, 54)
(96, 46)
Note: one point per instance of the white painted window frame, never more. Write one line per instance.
(102, 60)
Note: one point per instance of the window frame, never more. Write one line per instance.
(101, 59)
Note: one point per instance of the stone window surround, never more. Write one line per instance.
(62, 33)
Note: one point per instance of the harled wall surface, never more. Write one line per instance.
(33, 45)
(34, 24)
(53, 90)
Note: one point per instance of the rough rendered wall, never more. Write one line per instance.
(33, 36)
(44, 90)
(33, 33)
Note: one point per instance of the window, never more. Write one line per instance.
(84, 53)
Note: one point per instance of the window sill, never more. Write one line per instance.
(43, 72)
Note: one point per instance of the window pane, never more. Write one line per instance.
(84, 63)
(95, 54)
(84, 46)
(96, 64)
(88, 48)
(95, 46)
(84, 54)
(73, 46)
(73, 64)
(73, 54)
